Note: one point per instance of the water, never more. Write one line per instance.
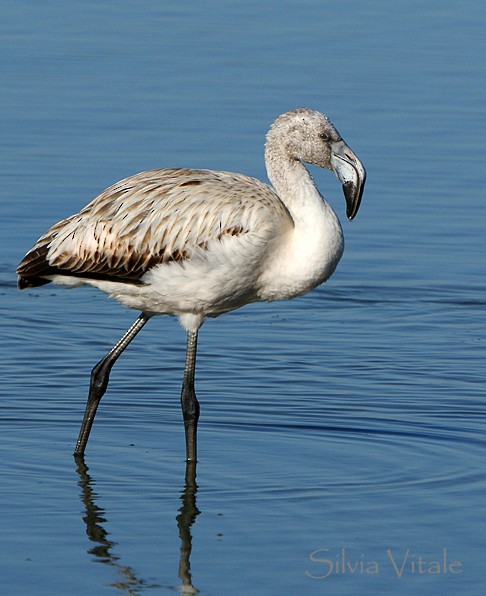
(341, 441)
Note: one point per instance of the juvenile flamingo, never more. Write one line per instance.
(198, 243)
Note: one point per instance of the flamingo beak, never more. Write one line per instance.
(351, 173)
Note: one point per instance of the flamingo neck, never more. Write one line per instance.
(310, 252)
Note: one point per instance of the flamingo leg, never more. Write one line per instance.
(99, 381)
(189, 403)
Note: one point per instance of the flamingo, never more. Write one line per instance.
(198, 243)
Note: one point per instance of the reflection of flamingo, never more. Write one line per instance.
(94, 518)
(198, 243)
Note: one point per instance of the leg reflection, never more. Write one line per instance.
(94, 519)
(185, 519)
(103, 547)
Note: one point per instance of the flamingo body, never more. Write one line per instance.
(198, 243)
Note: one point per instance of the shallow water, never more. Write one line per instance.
(341, 441)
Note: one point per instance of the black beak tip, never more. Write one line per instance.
(353, 199)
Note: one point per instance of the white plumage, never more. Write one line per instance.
(197, 243)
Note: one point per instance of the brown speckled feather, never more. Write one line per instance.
(153, 217)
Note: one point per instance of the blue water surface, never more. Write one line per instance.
(342, 434)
